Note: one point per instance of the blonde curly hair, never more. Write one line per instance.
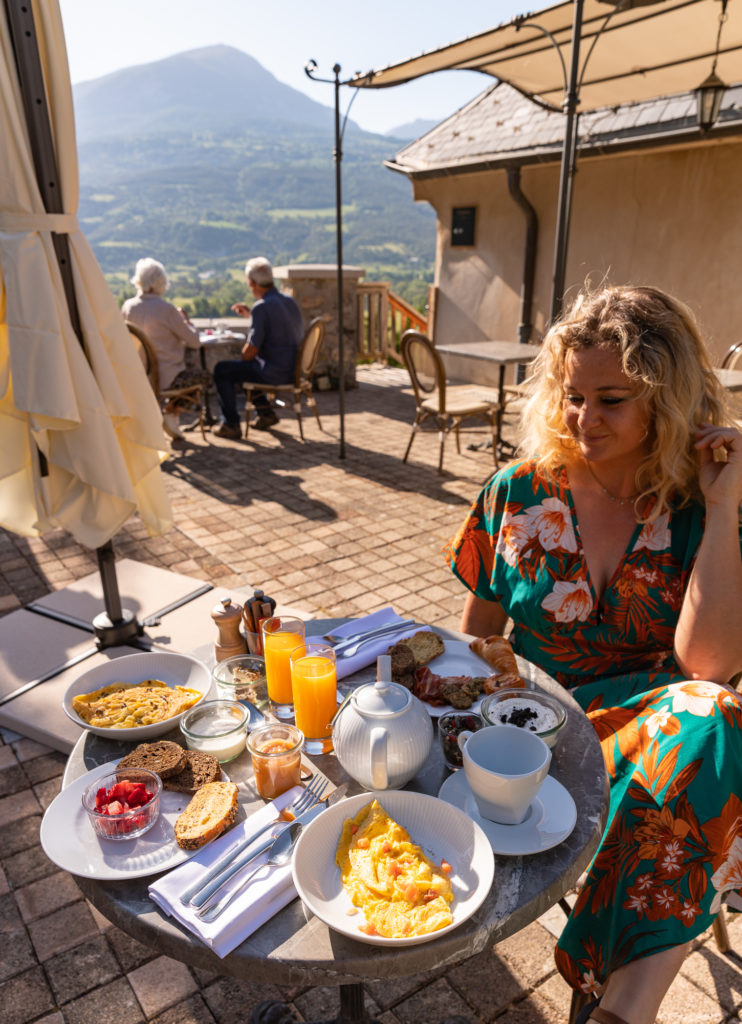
(661, 350)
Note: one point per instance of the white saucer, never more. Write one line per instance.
(550, 818)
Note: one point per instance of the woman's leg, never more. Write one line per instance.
(634, 992)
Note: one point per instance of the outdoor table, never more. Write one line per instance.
(295, 948)
(503, 354)
(729, 379)
(215, 346)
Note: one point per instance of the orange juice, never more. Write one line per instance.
(277, 650)
(314, 683)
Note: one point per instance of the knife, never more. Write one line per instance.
(372, 634)
(235, 859)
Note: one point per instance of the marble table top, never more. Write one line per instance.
(297, 948)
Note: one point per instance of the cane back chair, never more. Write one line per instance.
(186, 398)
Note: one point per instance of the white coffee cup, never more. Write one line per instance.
(505, 767)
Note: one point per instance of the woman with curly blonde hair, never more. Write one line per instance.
(613, 545)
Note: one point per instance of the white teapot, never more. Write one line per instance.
(383, 734)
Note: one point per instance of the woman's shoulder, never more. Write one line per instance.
(522, 473)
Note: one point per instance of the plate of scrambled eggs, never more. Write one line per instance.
(393, 868)
(137, 696)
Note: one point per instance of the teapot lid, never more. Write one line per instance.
(382, 697)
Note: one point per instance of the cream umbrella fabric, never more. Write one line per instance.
(94, 418)
(640, 53)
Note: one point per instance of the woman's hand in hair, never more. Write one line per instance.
(720, 475)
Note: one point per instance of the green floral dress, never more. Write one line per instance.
(673, 748)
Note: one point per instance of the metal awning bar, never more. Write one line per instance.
(643, 52)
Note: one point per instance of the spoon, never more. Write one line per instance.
(255, 716)
(280, 854)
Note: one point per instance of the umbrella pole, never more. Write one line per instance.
(339, 245)
(113, 626)
(568, 166)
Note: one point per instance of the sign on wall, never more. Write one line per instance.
(462, 225)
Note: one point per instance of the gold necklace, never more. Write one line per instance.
(618, 501)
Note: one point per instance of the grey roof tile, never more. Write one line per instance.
(502, 125)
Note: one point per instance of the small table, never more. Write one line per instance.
(503, 354)
(215, 346)
(296, 948)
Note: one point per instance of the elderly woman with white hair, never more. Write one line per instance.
(169, 331)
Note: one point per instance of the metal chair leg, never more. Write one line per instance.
(719, 928)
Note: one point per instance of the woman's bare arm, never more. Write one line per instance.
(708, 640)
(482, 618)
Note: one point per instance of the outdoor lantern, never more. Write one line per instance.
(708, 96)
(711, 90)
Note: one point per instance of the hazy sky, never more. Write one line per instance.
(105, 35)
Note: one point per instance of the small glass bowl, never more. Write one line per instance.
(450, 724)
(493, 712)
(242, 678)
(129, 824)
(217, 727)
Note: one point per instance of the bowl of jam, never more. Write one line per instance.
(450, 724)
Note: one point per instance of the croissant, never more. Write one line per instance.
(498, 654)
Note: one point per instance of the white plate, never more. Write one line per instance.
(444, 833)
(550, 819)
(457, 660)
(68, 839)
(173, 669)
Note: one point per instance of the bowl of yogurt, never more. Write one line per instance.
(528, 709)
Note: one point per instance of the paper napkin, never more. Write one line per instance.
(268, 892)
(369, 652)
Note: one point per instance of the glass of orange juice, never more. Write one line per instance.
(281, 636)
(314, 686)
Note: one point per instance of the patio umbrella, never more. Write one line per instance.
(80, 425)
(588, 54)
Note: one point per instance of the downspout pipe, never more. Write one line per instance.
(529, 265)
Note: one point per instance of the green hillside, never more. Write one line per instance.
(203, 201)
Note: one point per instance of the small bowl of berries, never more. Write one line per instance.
(123, 806)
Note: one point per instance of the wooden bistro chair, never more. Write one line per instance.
(191, 397)
(302, 386)
(446, 406)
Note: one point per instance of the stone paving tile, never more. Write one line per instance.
(114, 1003)
(160, 984)
(232, 1001)
(81, 969)
(190, 1011)
(20, 805)
(46, 895)
(25, 996)
(62, 930)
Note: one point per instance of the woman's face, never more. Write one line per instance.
(601, 407)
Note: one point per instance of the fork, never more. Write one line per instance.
(306, 799)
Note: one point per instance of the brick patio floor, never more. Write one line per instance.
(335, 537)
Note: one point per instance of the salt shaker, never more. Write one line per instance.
(228, 615)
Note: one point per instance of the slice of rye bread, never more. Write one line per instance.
(423, 646)
(211, 811)
(163, 757)
(200, 769)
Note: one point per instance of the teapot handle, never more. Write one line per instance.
(379, 776)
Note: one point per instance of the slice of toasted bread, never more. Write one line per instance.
(423, 646)
(163, 757)
(199, 769)
(211, 811)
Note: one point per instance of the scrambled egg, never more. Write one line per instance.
(123, 706)
(402, 892)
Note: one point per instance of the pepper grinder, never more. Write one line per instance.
(228, 615)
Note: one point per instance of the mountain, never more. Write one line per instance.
(204, 159)
(412, 130)
(212, 89)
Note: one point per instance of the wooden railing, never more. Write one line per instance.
(383, 317)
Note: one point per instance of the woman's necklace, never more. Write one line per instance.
(618, 501)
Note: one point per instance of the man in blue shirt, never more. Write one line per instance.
(269, 354)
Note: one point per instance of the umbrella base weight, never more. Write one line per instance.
(112, 634)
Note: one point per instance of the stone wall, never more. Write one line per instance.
(314, 287)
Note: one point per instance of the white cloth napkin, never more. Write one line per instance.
(268, 892)
(368, 654)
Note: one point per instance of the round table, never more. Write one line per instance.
(295, 948)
